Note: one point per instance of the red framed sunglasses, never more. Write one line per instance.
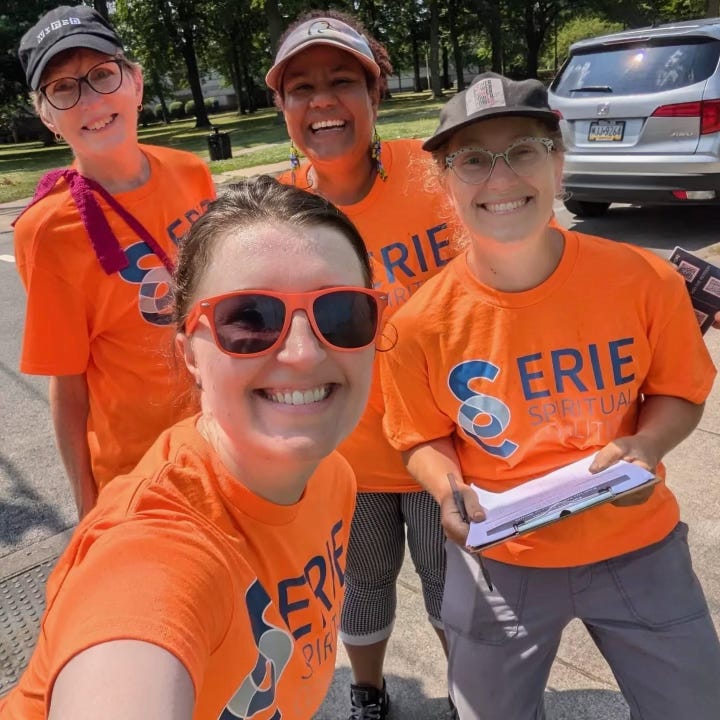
(248, 323)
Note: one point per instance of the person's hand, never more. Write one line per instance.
(454, 524)
(716, 322)
(631, 448)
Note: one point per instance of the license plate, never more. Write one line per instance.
(606, 131)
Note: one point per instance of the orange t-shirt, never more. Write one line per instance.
(403, 225)
(527, 382)
(115, 329)
(244, 593)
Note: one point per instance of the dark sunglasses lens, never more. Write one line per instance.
(247, 324)
(346, 318)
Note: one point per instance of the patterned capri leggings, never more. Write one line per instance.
(375, 555)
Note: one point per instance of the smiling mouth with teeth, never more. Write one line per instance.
(100, 124)
(327, 125)
(298, 397)
(500, 208)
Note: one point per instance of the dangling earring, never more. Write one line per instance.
(294, 160)
(58, 137)
(198, 383)
(140, 108)
(375, 153)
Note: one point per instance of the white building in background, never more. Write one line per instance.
(213, 86)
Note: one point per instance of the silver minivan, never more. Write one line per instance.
(640, 117)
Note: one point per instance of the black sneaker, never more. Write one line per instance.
(368, 703)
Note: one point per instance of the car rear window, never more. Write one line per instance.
(637, 67)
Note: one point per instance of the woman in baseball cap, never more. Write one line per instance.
(329, 76)
(95, 250)
(536, 348)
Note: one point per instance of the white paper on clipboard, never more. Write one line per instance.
(538, 502)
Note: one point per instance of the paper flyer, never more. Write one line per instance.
(703, 283)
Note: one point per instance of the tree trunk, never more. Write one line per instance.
(250, 85)
(417, 84)
(435, 79)
(712, 8)
(275, 23)
(494, 27)
(446, 84)
(179, 30)
(102, 7)
(187, 48)
(455, 44)
(237, 77)
(157, 86)
(532, 40)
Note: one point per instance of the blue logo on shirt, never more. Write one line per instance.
(274, 647)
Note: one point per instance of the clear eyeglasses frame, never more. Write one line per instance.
(474, 165)
(104, 78)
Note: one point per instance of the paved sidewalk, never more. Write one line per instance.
(581, 686)
(10, 210)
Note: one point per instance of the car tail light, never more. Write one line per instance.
(694, 194)
(707, 110)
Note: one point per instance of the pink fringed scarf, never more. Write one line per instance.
(107, 248)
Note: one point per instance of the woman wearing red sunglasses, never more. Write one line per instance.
(207, 584)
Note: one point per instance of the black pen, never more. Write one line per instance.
(460, 505)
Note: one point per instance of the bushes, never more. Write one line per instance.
(176, 110)
(147, 115)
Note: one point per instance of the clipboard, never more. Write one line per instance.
(524, 527)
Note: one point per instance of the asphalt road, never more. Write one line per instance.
(34, 498)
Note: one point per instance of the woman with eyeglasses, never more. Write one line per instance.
(95, 250)
(207, 583)
(328, 77)
(535, 348)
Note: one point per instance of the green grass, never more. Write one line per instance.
(257, 139)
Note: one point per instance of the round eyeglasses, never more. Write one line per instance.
(474, 165)
(104, 78)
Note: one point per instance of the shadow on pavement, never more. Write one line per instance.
(658, 227)
(23, 510)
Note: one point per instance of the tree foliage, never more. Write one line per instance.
(179, 42)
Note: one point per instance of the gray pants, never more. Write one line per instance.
(645, 610)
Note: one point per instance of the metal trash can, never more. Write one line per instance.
(219, 145)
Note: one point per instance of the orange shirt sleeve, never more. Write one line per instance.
(411, 414)
(157, 580)
(56, 340)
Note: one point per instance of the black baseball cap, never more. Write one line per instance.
(64, 28)
(491, 95)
